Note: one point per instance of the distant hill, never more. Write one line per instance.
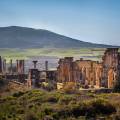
(23, 37)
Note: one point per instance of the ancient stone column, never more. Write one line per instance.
(17, 66)
(29, 81)
(110, 78)
(35, 63)
(11, 67)
(4, 66)
(46, 65)
(0, 64)
(23, 65)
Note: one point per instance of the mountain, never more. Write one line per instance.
(23, 37)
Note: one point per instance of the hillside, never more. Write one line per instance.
(23, 37)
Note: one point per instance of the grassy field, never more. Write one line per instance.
(58, 105)
(86, 53)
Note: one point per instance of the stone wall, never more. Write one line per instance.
(88, 72)
(85, 72)
(91, 73)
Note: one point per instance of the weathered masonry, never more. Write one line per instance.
(91, 73)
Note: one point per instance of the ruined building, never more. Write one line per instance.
(35, 76)
(86, 73)
(91, 73)
(12, 71)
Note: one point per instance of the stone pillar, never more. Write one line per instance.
(35, 63)
(110, 78)
(98, 77)
(23, 66)
(29, 81)
(0, 64)
(46, 65)
(11, 67)
(20, 66)
(17, 66)
(4, 66)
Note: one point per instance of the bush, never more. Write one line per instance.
(52, 99)
(18, 94)
(66, 99)
(78, 110)
(31, 116)
(92, 108)
(103, 107)
(61, 113)
(20, 111)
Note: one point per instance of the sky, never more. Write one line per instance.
(96, 21)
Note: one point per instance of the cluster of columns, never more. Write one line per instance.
(19, 68)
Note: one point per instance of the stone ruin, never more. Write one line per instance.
(87, 73)
(91, 73)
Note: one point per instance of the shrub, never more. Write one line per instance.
(102, 106)
(66, 99)
(48, 110)
(18, 94)
(61, 113)
(52, 99)
(30, 116)
(78, 110)
(92, 108)
(20, 111)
